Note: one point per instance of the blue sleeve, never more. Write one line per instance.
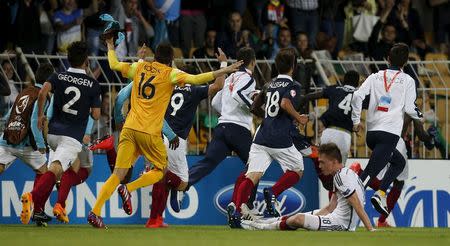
(96, 102)
(327, 92)
(53, 79)
(201, 92)
(167, 131)
(89, 126)
(38, 136)
(50, 109)
(123, 95)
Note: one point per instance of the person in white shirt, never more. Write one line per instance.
(346, 205)
(232, 133)
(392, 94)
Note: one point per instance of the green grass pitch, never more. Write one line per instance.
(83, 235)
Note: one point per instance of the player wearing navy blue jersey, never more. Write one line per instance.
(337, 119)
(76, 95)
(273, 140)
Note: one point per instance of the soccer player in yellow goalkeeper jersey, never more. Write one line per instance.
(153, 83)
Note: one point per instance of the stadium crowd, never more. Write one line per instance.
(197, 26)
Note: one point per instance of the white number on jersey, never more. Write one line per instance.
(176, 105)
(66, 108)
(346, 104)
(272, 104)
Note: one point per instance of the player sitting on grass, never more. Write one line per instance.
(339, 215)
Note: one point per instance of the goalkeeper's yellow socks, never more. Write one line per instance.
(146, 179)
(105, 193)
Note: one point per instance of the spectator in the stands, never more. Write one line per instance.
(302, 45)
(9, 78)
(304, 16)
(284, 40)
(234, 37)
(274, 18)
(94, 26)
(47, 11)
(167, 23)
(409, 27)
(333, 20)
(379, 49)
(67, 25)
(192, 24)
(208, 51)
(441, 13)
(130, 17)
(27, 27)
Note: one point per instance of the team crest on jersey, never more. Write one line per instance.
(22, 104)
(293, 93)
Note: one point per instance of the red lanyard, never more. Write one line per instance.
(387, 87)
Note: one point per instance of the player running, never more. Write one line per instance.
(153, 83)
(235, 122)
(273, 140)
(22, 138)
(392, 94)
(340, 214)
(76, 95)
(337, 119)
(397, 185)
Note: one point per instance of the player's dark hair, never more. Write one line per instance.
(331, 151)
(77, 53)
(351, 78)
(164, 54)
(247, 55)
(285, 60)
(399, 54)
(43, 72)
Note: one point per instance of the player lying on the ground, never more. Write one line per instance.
(76, 96)
(341, 214)
(397, 185)
(273, 140)
(22, 138)
(153, 84)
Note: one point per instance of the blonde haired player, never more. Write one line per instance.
(153, 83)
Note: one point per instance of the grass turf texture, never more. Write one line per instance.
(82, 235)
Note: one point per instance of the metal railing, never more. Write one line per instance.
(433, 79)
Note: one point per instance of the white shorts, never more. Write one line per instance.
(306, 152)
(261, 156)
(177, 159)
(401, 147)
(322, 223)
(341, 138)
(63, 149)
(32, 158)
(86, 157)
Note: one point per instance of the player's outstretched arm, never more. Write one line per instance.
(310, 97)
(287, 106)
(128, 70)
(218, 83)
(356, 204)
(42, 97)
(257, 104)
(330, 207)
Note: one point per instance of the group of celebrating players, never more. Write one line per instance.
(59, 110)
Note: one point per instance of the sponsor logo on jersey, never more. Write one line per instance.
(290, 201)
(22, 104)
